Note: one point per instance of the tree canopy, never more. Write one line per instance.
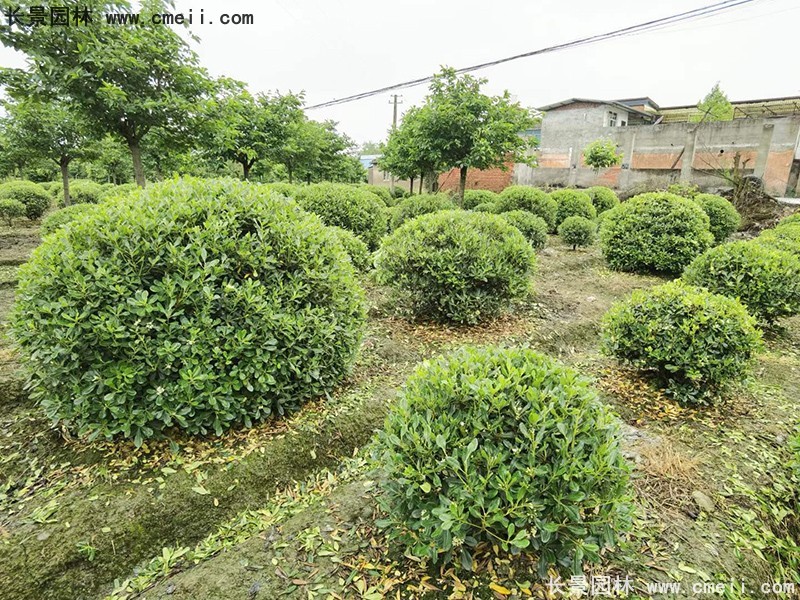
(714, 107)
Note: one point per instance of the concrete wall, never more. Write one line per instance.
(377, 177)
(656, 155)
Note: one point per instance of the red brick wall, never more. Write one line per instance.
(495, 180)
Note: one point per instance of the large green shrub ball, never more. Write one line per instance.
(81, 191)
(473, 198)
(356, 249)
(11, 209)
(723, 216)
(421, 204)
(502, 447)
(534, 200)
(384, 193)
(572, 203)
(488, 207)
(577, 231)
(115, 191)
(602, 197)
(533, 227)
(694, 341)
(784, 237)
(654, 232)
(456, 265)
(346, 206)
(206, 303)
(33, 196)
(56, 220)
(765, 280)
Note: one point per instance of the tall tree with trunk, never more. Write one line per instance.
(50, 130)
(126, 79)
(407, 153)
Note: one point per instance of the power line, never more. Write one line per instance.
(695, 14)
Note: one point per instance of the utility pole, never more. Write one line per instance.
(395, 100)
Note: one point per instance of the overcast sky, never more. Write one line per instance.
(334, 48)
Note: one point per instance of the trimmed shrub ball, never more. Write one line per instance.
(783, 237)
(384, 193)
(205, 304)
(534, 228)
(399, 193)
(724, 218)
(356, 249)
(487, 207)
(473, 198)
(81, 191)
(456, 265)
(115, 191)
(572, 203)
(577, 231)
(603, 198)
(534, 200)
(765, 280)
(654, 232)
(11, 209)
(31, 195)
(694, 341)
(346, 206)
(421, 204)
(684, 190)
(502, 447)
(56, 220)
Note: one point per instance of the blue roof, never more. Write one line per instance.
(368, 159)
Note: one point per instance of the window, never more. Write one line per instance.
(622, 123)
(612, 119)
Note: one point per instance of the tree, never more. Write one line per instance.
(108, 160)
(714, 107)
(406, 154)
(601, 154)
(370, 147)
(126, 79)
(464, 128)
(50, 130)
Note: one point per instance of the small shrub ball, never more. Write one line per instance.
(421, 204)
(573, 203)
(31, 195)
(603, 198)
(577, 231)
(534, 200)
(533, 227)
(724, 218)
(473, 198)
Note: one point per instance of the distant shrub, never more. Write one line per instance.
(577, 231)
(456, 265)
(206, 303)
(421, 204)
(684, 190)
(31, 195)
(487, 207)
(534, 228)
(48, 185)
(56, 220)
(696, 342)
(384, 193)
(502, 447)
(473, 198)
(534, 200)
(765, 280)
(724, 218)
(784, 237)
(654, 232)
(346, 206)
(11, 209)
(399, 193)
(572, 203)
(284, 189)
(603, 198)
(356, 249)
(81, 191)
(116, 191)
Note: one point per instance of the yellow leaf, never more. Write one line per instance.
(496, 587)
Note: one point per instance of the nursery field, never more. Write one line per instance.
(287, 508)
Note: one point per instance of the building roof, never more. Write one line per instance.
(616, 103)
(367, 160)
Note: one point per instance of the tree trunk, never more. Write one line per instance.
(289, 169)
(411, 186)
(430, 181)
(245, 170)
(64, 164)
(421, 181)
(138, 167)
(462, 184)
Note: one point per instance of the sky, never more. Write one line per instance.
(334, 48)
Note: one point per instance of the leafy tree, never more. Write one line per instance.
(714, 107)
(370, 147)
(50, 130)
(601, 154)
(406, 154)
(127, 80)
(109, 161)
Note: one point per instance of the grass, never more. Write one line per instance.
(287, 509)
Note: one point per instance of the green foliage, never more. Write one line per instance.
(284, 189)
(577, 231)
(56, 220)
(695, 342)
(533, 227)
(346, 206)
(784, 237)
(421, 204)
(765, 280)
(384, 193)
(489, 207)
(115, 191)
(790, 220)
(473, 198)
(456, 265)
(654, 232)
(724, 218)
(399, 193)
(502, 447)
(601, 154)
(356, 249)
(603, 198)
(31, 195)
(714, 107)
(81, 191)
(204, 304)
(534, 200)
(684, 189)
(571, 203)
(11, 209)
